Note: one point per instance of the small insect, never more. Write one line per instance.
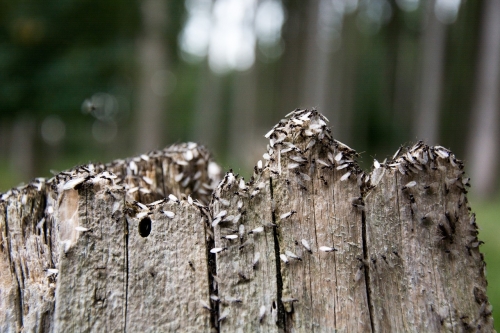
(259, 165)
(326, 165)
(327, 249)
(51, 271)
(284, 258)
(221, 214)
(218, 249)
(168, 213)
(224, 315)
(256, 259)
(306, 245)
(409, 185)
(174, 198)
(241, 231)
(262, 313)
(216, 221)
(287, 215)
(310, 144)
(230, 237)
(190, 200)
(343, 166)
(345, 176)
(215, 298)
(293, 255)
(191, 265)
(242, 185)
(298, 159)
(293, 165)
(256, 230)
(82, 229)
(376, 164)
(205, 305)
(178, 177)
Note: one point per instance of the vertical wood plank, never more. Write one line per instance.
(168, 281)
(321, 290)
(91, 283)
(247, 287)
(423, 247)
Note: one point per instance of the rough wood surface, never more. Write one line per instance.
(423, 247)
(310, 243)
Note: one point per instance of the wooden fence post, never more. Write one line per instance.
(162, 242)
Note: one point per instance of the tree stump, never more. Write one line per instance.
(311, 243)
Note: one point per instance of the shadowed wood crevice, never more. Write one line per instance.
(310, 243)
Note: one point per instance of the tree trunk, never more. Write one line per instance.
(153, 75)
(309, 243)
(431, 76)
(484, 134)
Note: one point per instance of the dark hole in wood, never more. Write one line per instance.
(145, 227)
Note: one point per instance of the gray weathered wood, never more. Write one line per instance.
(309, 243)
(249, 263)
(328, 287)
(423, 248)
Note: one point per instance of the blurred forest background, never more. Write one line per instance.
(95, 80)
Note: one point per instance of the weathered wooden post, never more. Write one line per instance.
(162, 242)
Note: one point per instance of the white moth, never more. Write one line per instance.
(190, 200)
(168, 213)
(205, 305)
(262, 312)
(52, 271)
(310, 144)
(256, 259)
(218, 249)
(230, 237)
(147, 180)
(410, 184)
(284, 258)
(322, 162)
(256, 230)
(242, 185)
(376, 164)
(345, 176)
(292, 255)
(293, 165)
(173, 198)
(259, 164)
(327, 249)
(343, 166)
(221, 214)
(214, 298)
(338, 157)
(268, 134)
(82, 229)
(287, 215)
(216, 221)
(306, 245)
(299, 159)
(224, 314)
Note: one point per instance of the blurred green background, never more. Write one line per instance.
(89, 80)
